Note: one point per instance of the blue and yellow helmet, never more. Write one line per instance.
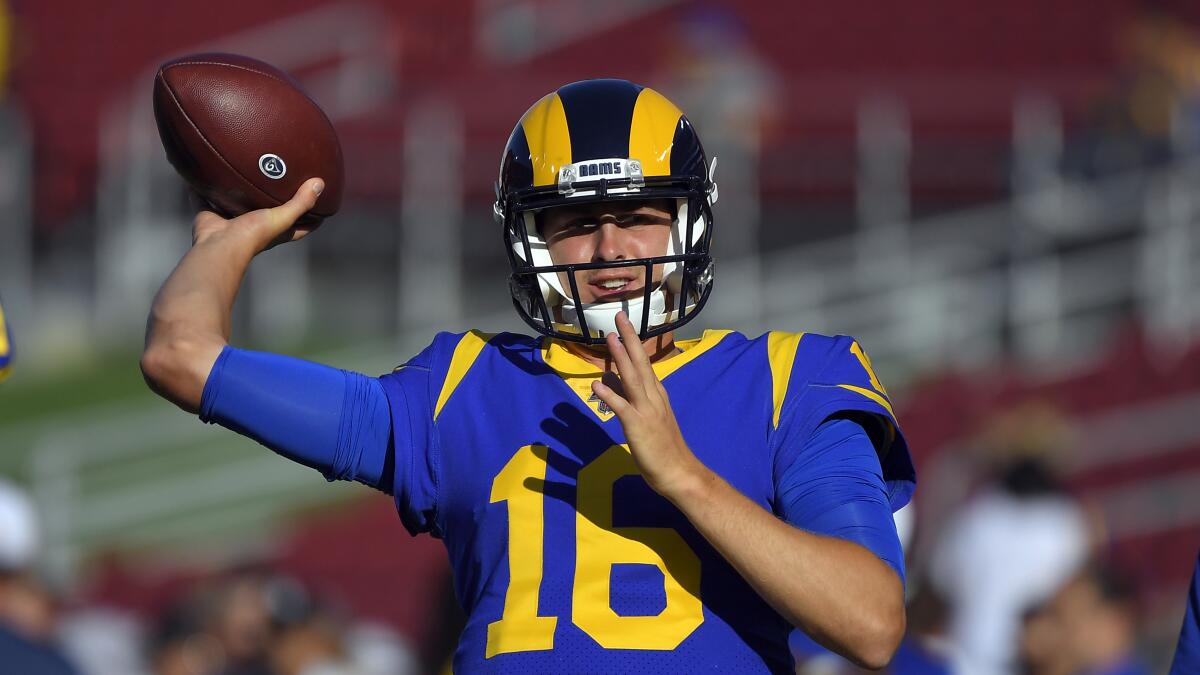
(605, 140)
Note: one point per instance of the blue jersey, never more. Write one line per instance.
(564, 559)
(1187, 652)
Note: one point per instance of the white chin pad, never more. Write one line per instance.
(602, 316)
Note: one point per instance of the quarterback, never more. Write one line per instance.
(613, 499)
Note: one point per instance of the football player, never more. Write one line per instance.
(6, 350)
(612, 499)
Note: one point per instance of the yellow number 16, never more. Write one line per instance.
(598, 546)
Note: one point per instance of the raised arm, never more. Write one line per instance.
(189, 321)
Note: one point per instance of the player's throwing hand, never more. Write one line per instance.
(651, 430)
(266, 228)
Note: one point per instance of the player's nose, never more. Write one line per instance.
(610, 244)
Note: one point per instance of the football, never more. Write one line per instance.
(244, 135)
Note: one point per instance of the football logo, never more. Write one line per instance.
(272, 166)
(601, 406)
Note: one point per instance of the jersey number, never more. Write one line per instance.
(598, 546)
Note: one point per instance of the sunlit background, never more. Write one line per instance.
(1000, 200)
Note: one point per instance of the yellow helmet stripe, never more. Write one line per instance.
(549, 140)
(652, 132)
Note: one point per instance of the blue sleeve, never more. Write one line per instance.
(833, 485)
(1187, 654)
(332, 420)
(833, 376)
(410, 391)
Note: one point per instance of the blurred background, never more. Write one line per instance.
(1001, 200)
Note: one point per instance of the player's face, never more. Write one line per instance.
(605, 232)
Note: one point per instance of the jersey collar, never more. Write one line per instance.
(578, 374)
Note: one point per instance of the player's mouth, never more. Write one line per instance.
(611, 288)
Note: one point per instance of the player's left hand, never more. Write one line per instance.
(653, 434)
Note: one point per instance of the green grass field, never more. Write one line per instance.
(141, 476)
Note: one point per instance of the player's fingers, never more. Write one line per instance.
(283, 216)
(639, 361)
(633, 344)
(625, 368)
(614, 400)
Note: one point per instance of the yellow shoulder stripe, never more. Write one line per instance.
(866, 364)
(465, 353)
(781, 352)
(691, 349)
(873, 395)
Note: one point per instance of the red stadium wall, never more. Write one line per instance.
(958, 66)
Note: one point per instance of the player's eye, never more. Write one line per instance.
(580, 225)
(570, 228)
(638, 219)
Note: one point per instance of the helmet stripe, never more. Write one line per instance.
(549, 140)
(652, 132)
(599, 113)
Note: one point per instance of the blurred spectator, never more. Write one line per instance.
(251, 622)
(925, 649)
(26, 607)
(310, 646)
(180, 645)
(1012, 545)
(103, 641)
(377, 649)
(1039, 648)
(1154, 110)
(238, 617)
(1098, 623)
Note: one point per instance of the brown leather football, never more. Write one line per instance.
(243, 134)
